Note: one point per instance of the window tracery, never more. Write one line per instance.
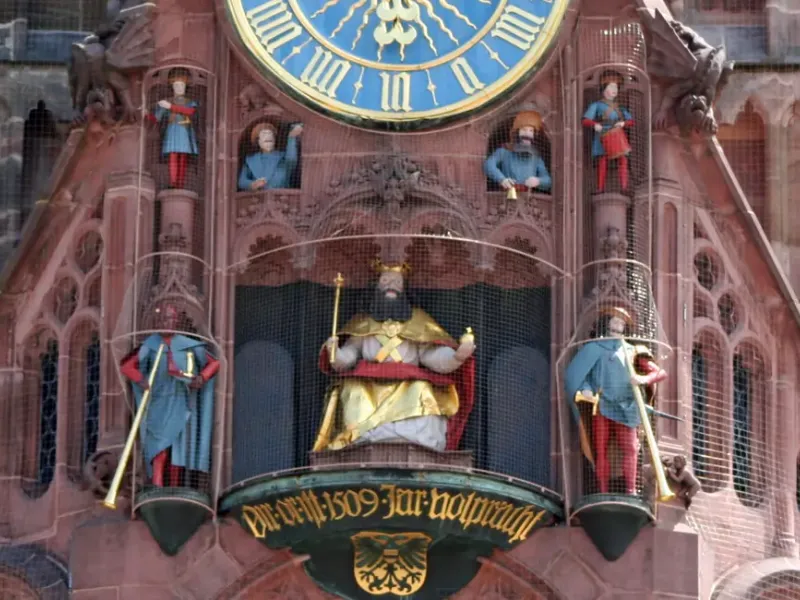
(40, 398)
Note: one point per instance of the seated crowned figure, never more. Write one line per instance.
(401, 377)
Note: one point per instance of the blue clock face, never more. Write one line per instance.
(412, 62)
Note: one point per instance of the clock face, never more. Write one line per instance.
(397, 63)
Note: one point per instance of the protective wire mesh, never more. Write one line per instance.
(482, 241)
(280, 361)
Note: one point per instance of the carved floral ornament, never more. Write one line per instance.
(392, 189)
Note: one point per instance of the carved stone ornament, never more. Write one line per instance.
(612, 277)
(277, 207)
(175, 272)
(104, 62)
(696, 72)
(394, 188)
(253, 99)
(525, 209)
(392, 178)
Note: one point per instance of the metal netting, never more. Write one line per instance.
(207, 258)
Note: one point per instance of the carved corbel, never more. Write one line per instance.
(693, 70)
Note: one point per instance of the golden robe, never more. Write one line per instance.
(387, 383)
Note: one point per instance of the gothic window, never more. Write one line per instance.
(742, 458)
(729, 314)
(699, 413)
(749, 397)
(84, 397)
(65, 299)
(41, 397)
(744, 143)
(706, 270)
(92, 401)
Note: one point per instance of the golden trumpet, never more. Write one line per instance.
(110, 500)
(665, 494)
(338, 282)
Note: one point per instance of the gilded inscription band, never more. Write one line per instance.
(391, 502)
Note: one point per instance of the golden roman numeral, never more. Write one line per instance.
(324, 72)
(396, 91)
(273, 24)
(466, 76)
(517, 27)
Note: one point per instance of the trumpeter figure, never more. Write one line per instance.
(176, 429)
(599, 377)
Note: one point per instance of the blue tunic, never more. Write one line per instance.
(599, 366)
(177, 417)
(179, 136)
(601, 112)
(276, 167)
(505, 163)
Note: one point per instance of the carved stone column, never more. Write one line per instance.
(126, 203)
(672, 282)
(178, 207)
(784, 540)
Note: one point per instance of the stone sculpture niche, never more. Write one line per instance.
(265, 167)
(518, 156)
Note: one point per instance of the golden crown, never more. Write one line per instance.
(380, 267)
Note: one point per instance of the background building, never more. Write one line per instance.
(108, 223)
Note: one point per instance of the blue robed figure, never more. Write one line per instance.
(599, 375)
(178, 421)
(269, 168)
(518, 164)
(179, 137)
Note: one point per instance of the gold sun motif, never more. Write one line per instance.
(396, 21)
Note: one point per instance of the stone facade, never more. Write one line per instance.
(89, 262)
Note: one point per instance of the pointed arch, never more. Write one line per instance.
(40, 380)
(82, 398)
(750, 448)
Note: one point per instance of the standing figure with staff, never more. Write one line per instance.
(609, 120)
(607, 374)
(400, 376)
(175, 431)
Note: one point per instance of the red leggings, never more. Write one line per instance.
(622, 168)
(177, 169)
(628, 441)
(160, 464)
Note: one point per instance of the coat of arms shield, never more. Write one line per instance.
(390, 563)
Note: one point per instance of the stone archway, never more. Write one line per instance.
(282, 576)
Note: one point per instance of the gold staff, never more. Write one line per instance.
(111, 497)
(338, 282)
(664, 492)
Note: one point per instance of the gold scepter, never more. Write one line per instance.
(665, 494)
(111, 497)
(338, 282)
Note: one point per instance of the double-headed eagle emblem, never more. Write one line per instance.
(390, 563)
